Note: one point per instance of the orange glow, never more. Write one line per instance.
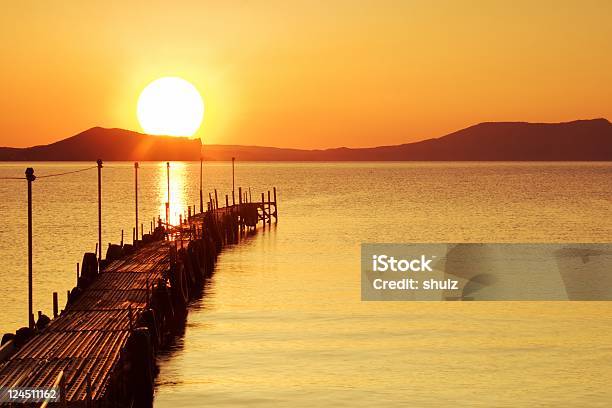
(305, 74)
(178, 200)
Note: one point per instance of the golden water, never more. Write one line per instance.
(282, 324)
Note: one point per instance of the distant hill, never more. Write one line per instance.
(108, 144)
(584, 140)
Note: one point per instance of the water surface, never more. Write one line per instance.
(282, 323)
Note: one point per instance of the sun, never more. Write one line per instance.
(170, 106)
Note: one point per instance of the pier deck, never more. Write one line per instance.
(101, 348)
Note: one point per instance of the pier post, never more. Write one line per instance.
(168, 202)
(99, 161)
(233, 178)
(30, 177)
(216, 200)
(250, 197)
(201, 202)
(226, 201)
(55, 306)
(263, 210)
(136, 195)
(275, 206)
(240, 195)
(269, 209)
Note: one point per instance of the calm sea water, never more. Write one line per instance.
(282, 323)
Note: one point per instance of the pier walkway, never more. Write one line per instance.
(100, 350)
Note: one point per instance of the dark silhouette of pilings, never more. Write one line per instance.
(193, 250)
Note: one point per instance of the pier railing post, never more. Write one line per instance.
(239, 195)
(263, 210)
(136, 195)
(99, 161)
(233, 179)
(30, 177)
(275, 206)
(168, 203)
(201, 200)
(55, 305)
(269, 209)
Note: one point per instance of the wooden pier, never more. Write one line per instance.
(100, 350)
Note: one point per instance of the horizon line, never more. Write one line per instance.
(601, 118)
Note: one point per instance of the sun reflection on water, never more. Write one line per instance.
(178, 177)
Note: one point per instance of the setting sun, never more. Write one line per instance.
(170, 106)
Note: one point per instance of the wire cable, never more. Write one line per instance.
(50, 175)
(67, 172)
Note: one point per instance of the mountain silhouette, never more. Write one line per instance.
(581, 140)
(108, 144)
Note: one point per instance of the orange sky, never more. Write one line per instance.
(305, 74)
